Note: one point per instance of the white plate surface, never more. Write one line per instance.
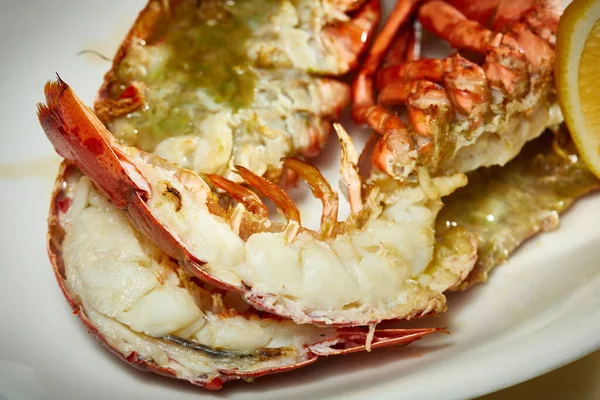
(537, 312)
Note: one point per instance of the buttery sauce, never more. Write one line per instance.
(204, 68)
(506, 205)
(209, 47)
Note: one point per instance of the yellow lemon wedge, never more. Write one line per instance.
(578, 76)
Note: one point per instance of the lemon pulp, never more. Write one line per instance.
(589, 84)
(578, 77)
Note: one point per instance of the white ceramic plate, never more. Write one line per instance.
(537, 312)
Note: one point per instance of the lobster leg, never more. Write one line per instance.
(349, 169)
(351, 38)
(429, 112)
(406, 45)
(450, 24)
(317, 134)
(510, 56)
(543, 19)
(381, 338)
(320, 188)
(482, 11)
(396, 93)
(540, 16)
(429, 106)
(397, 142)
(395, 148)
(273, 192)
(247, 197)
(430, 115)
(506, 13)
(464, 81)
(430, 69)
(362, 88)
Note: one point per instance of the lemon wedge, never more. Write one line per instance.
(578, 76)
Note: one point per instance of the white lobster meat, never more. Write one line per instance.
(150, 312)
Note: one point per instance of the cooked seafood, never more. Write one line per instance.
(211, 84)
(148, 311)
(505, 206)
(461, 114)
(378, 264)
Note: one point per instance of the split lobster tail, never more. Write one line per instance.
(111, 276)
(381, 263)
